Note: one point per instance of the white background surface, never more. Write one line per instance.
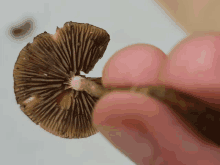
(127, 21)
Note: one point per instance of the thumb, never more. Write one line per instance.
(121, 117)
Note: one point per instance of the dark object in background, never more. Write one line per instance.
(42, 72)
(22, 30)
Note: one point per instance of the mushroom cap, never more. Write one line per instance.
(42, 72)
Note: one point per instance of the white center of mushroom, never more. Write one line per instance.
(76, 83)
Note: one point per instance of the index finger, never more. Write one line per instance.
(193, 66)
(137, 64)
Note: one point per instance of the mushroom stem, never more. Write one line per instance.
(169, 96)
(82, 84)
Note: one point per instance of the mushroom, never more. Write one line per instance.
(43, 70)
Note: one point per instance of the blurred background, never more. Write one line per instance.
(127, 21)
(193, 15)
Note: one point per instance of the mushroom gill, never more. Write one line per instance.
(42, 72)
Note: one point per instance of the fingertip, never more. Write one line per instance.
(121, 118)
(193, 65)
(137, 64)
(127, 104)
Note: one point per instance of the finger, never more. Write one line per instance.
(193, 66)
(134, 65)
(137, 64)
(147, 132)
(113, 122)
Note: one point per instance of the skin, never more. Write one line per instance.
(146, 130)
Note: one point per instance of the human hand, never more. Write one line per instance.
(143, 128)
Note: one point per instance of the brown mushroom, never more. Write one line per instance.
(43, 70)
